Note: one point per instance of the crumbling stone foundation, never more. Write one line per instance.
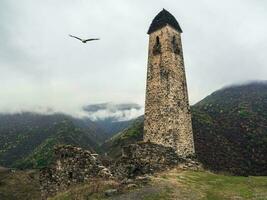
(73, 165)
(148, 158)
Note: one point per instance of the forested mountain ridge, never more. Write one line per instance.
(230, 129)
(23, 134)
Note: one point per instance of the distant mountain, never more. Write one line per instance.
(27, 139)
(112, 127)
(230, 130)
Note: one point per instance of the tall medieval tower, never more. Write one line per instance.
(167, 111)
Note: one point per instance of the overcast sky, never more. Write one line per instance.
(42, 68)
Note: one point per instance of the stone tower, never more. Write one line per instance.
(167, 111)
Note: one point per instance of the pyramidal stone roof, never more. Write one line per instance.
(162, 19)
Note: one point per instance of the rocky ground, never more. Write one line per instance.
(172, 185)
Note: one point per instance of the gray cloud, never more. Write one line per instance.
(115, 112)
(111, 106)
(41, 67)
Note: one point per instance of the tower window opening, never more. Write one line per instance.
(165, 79)
(157, 47)
(175, 46)
(157, 39)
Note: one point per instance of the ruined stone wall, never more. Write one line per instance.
(167, 112)
(72, 165)
(145, 158)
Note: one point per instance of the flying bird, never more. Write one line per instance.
(86, 40)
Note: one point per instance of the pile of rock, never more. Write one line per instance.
(72, 165)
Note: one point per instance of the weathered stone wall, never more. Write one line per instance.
(146, 158)
(72, 165)
(167, 112)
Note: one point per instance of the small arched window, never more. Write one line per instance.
(157, 47)
(175, 45)
(157, 40)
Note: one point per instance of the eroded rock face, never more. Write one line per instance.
(73, 165)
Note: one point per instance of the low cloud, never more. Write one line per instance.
(115, 112)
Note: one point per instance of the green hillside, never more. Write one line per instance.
(27, 139)
(230, 130)
(128, 136)
(64, 133)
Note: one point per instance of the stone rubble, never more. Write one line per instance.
(145, 158)
(73, 165)
(110, 192)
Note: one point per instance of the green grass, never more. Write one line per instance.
(19, 185)
(217, 187)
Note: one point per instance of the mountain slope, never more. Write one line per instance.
(64, 133)
(230, 130)
(128, 136)
(111, 127)
(21, 134)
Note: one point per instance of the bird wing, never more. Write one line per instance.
(91, 39)
(76, 37)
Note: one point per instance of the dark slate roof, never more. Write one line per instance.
(161, 20)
